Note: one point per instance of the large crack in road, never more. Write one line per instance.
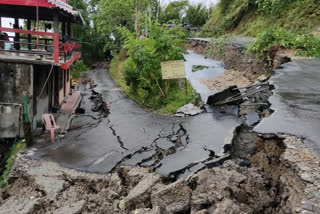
(102, 139)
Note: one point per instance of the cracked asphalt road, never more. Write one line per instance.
(296, 102)
(131, 135)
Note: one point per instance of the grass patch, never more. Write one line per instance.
(196, 68)
(176, 98)
(14, 150)
(252, 17)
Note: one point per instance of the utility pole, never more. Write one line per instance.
(158, 9)
(137, 18)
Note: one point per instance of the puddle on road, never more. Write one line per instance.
(211, 69)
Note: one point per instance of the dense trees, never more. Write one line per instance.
(196, 15)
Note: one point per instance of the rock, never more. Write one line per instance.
(179, 115)
(227, 206)
(135, 175)
(173, 198)
(155, 210)
(115, 183)
(141, 192)
(71, 209)
(307, 177)
(202, 212)
(262, 78)
(189, 109)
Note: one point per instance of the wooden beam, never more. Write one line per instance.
(56, 23)
(17, 35)
(69, 29)
(63, 30)
(29, 35)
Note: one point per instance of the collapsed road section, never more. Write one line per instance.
(226, 166)
(280, 175)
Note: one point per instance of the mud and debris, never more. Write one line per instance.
(278, 174)
(228, 79)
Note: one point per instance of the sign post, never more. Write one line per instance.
(173, 70)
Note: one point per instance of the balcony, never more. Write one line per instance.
(38, 48)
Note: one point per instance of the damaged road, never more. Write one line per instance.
(102, 139)
(296, 102)
(226, 166)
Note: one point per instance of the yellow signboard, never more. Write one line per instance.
(173, 70)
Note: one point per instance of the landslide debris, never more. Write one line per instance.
(278, 174)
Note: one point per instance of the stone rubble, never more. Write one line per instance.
(282, 176)
(189, 110)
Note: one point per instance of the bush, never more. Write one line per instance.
(78, 68)
(217, 46)
(142, 68)
(14, 151)
(306, 44)
(272, 6)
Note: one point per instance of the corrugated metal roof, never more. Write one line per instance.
(64, 6)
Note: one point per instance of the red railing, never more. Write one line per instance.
(54, 36)
(71, 50)
(70, 46)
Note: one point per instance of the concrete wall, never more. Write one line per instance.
(14, 79)
(42, 104)
(10, 125)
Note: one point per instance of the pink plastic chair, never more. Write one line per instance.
(50, 124)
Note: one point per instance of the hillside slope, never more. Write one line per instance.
(251, 17)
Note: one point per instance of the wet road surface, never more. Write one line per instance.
(131, 135)
(214, 69)
(296, 102)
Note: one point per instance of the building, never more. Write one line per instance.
(36, 60)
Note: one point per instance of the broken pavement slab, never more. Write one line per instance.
(141, 192)
(189, 110)
(173, 198)
(67, 110)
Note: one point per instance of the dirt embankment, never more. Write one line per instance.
(243, 69)
(267, 174)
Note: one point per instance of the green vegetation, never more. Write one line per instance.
(78, 68)
(196, 15)
(182, 12)
(14, 151)
(251, 17)
(306, 45)
(176, 98)
(142, 68)
(173, 12)
(217, 46)
(291, 24)
(87, 34)
(196, 68)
